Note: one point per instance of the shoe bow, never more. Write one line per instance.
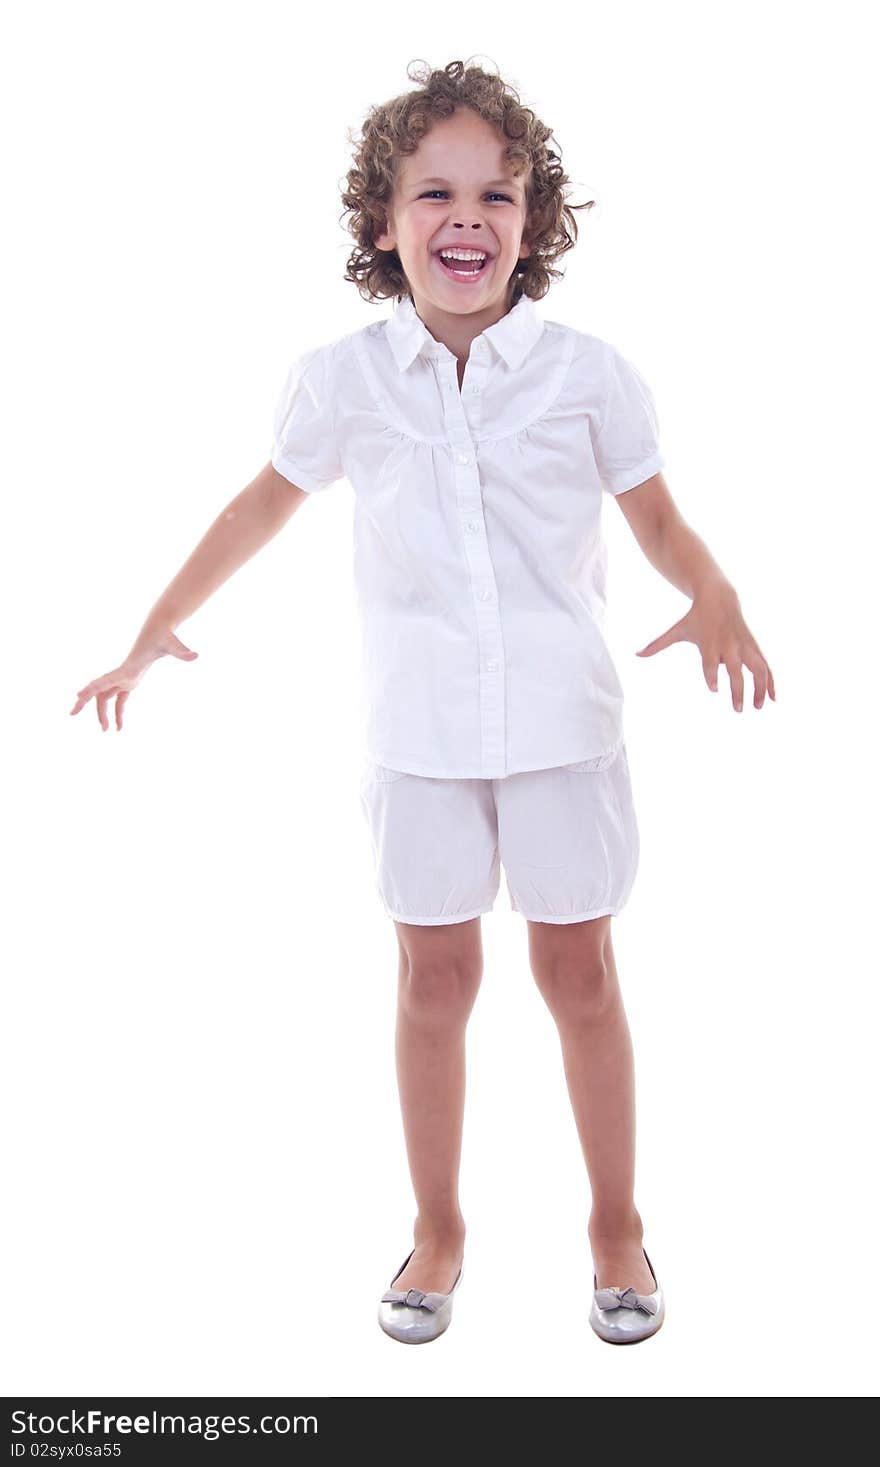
(625, 1299)
(415, 1298)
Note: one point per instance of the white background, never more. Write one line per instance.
(207, 1178)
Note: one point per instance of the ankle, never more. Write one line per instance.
(611, 1224)
(440, 1234)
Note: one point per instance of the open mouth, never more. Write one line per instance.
(465, 272)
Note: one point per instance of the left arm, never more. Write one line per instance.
(715, 621)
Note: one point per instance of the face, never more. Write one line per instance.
(457, 191)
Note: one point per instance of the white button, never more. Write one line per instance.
(491, 666)
(485, 595)
(473, 525)
(462, 458)
(475, 389)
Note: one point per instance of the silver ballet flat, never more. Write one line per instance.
(413, 1316)
(621, 1316)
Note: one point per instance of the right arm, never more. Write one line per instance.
(246, 524)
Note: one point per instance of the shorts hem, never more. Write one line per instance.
(579, 917)
(437, 921)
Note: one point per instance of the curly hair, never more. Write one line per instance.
(395, 128)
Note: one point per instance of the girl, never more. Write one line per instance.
(479, 439)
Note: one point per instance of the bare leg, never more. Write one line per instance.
(573, 965)
(438, 980)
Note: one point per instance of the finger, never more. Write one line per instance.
(186, 654)
(86, 694)
(83, 697)
(120, 704)
(758, 668)
(759, 672)
(771, 686)
(665, 639)
(734, 672)
(710, 672)
(678, 632)
(101, 702)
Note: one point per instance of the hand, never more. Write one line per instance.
(715, 623)
(119, 683)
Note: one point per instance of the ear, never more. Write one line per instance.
(386, 239)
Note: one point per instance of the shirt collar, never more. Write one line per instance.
(512, 337)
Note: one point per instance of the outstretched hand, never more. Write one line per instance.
(122, 680)
(715, 623)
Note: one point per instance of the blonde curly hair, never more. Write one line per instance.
(395, 128)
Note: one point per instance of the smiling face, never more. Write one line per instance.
(457, 191)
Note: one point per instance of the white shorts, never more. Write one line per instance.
(567, 837)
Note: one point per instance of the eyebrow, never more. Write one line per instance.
(509, 182)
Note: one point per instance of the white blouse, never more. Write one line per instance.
(479, 561)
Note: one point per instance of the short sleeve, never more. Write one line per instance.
(305, 448)
(626, 447)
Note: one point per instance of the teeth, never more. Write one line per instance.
(462, 254)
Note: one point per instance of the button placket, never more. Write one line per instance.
(461, 415)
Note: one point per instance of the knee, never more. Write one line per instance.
(577, 992)
(438, 993)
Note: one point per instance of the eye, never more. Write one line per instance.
(430, 191)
